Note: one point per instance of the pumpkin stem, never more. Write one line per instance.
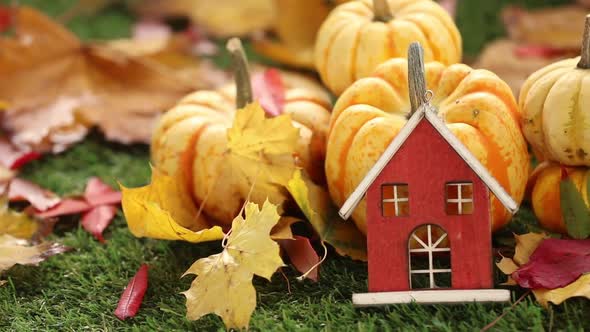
(241, 73)
(416, 76)
(585, 56)
(382, 11)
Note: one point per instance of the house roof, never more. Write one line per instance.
(426, 111)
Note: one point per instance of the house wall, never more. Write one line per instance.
(426, 162)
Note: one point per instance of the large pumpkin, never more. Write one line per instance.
(546, 196)
(357, 36)
(477, 106)
(555, 105)
(191, 138)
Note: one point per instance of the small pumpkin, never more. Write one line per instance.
(190, 139)
(546, 196)
(554, 102)
(477, 106)
(357, 36)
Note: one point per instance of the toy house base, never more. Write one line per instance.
(450, 296)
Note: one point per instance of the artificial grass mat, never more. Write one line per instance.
(79, 290)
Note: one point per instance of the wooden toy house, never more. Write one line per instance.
(428, 197)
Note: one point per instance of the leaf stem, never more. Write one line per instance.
(241, 73)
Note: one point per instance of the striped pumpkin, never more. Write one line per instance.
(554, 102)
(546, 196)
(477, 106)
(357, 36)
(190, 140)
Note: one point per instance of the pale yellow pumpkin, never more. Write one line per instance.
(357, 36)
(546, 196)
(555, 106)
(477, 106)
(191, 138)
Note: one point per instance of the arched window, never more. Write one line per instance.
(429, 254)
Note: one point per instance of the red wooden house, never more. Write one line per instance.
(428, 197)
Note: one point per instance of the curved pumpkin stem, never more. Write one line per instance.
(241, 73)
(585, 56)
(382, 11)
(416, 76)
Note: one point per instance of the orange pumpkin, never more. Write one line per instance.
(546, 196)
(477, 106)
(357, 36)
(190, 140)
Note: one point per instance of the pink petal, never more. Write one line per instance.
(65, 207)
(133, 294)
(98, 193)
(302, 255)
(269, 91)
(98, 219)
(41, 199)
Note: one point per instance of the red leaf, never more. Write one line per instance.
(98, 219)
(6, 16)
(98, 193)
(537, 51)
(269, 91)
(133, 294)
(65, 207)
(555, 263)
(14, 158)
(41, 199)
(302, 255)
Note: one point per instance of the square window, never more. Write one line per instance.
(459, 198)
(395, 200)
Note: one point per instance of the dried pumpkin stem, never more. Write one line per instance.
(585, 56)
(416, 76)
(241, 73)
(382, 11)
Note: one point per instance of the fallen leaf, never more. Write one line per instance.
(65, 207)
(14, 158)
(98, 219)
(16, 223)
(222, 18)
(3, 282)
(98, 193)
(57, 87)
(260, 153)
(163, 210)
(302, 256)
(18, 251)
(573, 208)
(282, 230)
(40, 198)
(578, 288)
(132, 296)
(224, 281)
(554, 263)
(315, 203)
(269, 91)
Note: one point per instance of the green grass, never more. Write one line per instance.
(79, 290)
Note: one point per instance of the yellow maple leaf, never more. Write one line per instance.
(315, 203)
(580, 287)
(15, 223)
(224, 281)
(260, 153)
(164, 210)
(17, 251)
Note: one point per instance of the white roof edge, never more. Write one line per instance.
(495, 187)
(357, 195)
(479, 169)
